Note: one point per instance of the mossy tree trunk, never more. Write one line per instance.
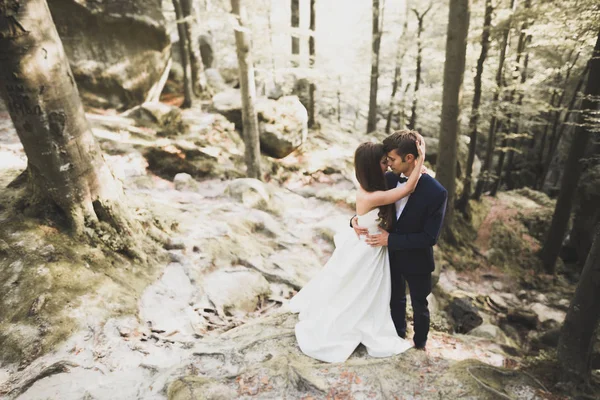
(573, 167)
(454, 71)
(65, 165)
(248, 92)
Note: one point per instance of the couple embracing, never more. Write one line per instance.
(359, 296)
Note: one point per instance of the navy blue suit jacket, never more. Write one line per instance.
(414, 234)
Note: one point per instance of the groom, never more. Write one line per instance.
(410, 242)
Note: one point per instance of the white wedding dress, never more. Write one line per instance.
(348, 301)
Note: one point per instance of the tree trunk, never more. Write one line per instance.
(295, 22)
(377, 21)
(515, 144)
(578, 331)
(556, 136)
(188, 91)
(66, 168)
(557, 113)
(198, 78)
(312, 60)
(508, 143)
(397, 71)
(572, 168)
(413, 114)
(454, 70)
(486, 170)
(463, 203)
(248, 92)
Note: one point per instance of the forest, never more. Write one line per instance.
(173, 172)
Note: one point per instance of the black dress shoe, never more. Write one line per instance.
(420, 346)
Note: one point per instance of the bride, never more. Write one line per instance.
(348, 302)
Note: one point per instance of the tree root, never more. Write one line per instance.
(501, 372)
(56, 368)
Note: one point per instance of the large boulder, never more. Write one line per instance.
(283, 123)
(236, 290)
(118, 49)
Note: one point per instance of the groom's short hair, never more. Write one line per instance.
(403, 141)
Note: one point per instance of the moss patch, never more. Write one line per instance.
(50, 282)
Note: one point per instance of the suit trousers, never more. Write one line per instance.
(419, 287)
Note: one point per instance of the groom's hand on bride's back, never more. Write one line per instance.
(359, 231)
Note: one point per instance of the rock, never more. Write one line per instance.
(215, 81)
(167, 164)
(166, 120)
(165, 305)
(185, 182)
(206, 50)
(283, 124)
(251, 192)
(229, 69)
(236, 290)
(466, 316)
(498, 285)
(546, 340)
(545, 313)
(523, 317)
(491, 332)
(498, 303)
(262, 360)
(135, 49)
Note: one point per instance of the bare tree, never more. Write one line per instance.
(578, 332)
(248, 92)
(507, 145)
(557, 133)
(377, 27)
(454, 71)
(65, 167)
(463, 202)
(312, 56)
(486, 170)
(188, 86)
(413, 114)
(573, 168)
(397, 83)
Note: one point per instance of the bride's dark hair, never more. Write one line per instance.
(367, 160)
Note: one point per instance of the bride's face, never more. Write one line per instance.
(384, 164)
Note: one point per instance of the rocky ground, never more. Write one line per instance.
(208, 318)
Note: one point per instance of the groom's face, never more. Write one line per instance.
(397, 164)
